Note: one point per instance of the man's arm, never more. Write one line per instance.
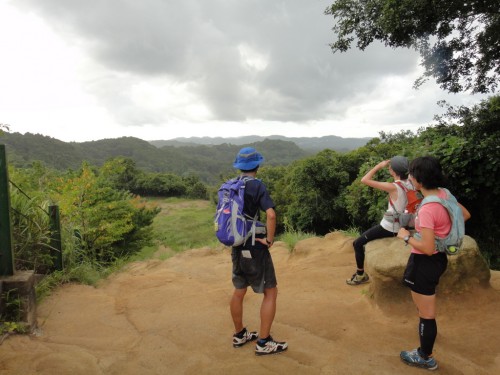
(270, 226)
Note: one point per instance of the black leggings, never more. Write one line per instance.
(371, 234)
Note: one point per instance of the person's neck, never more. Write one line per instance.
(426, 192)
(250, 174)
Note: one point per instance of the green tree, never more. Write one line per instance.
(467, 143)
(160, 184)
(107, 223)
(276, 181)
(3, 127)
(315, 187)
(37, 179)
(364, 204)
(457, 40)
(194, 187)
(120, 173)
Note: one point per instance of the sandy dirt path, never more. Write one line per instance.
(172, 317)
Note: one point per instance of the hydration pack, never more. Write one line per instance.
(406, 219)
(453, 241)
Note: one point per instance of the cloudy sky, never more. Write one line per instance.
(160, 69)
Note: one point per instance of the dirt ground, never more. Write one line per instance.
(172, 317)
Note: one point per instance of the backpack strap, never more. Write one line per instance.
(245, 179)
(405, 189)
(436, 199)
(254, 219)
(439, 242)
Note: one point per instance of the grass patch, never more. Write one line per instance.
(184, 224)
(293, 236)
(146, 253)
(85, 273)
(350, 232)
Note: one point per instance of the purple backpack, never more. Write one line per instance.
(232, 227)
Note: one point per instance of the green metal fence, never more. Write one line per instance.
(6, 256)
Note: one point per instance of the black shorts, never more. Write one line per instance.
(253, 266)
(423, 272)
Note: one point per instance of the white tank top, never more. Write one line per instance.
(399, 203)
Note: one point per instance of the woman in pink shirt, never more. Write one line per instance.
(426, 265)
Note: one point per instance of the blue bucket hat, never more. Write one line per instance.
(247, 159)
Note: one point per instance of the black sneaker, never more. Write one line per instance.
(270, 347)
(240, 339)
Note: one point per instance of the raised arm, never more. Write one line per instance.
(369, 181)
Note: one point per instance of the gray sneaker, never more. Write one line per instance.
(413, 358)
(358, 279)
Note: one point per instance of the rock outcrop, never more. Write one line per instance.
(386, 261)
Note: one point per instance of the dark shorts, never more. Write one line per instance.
(253, 266)
(423, 272)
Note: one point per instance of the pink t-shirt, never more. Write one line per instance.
(433, 216)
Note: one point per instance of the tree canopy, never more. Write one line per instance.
(457, 40)
(3, 127)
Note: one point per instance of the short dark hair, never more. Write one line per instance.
(250, 170)
(403, 176)
(427, 171)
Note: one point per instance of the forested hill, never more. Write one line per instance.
(311, 144)
(207, 162)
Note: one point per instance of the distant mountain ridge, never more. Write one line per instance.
(209, 158)
(310, 144)
(208, 162)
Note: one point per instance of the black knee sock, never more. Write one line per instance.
(427, 331)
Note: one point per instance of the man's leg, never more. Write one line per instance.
(266, 344)
(236, 306)
(267, 311)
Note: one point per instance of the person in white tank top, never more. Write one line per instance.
(388, 222)
(398, 169)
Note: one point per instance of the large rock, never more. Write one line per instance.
(386, 261)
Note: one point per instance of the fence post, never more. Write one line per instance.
(6, 256)
(55, 237)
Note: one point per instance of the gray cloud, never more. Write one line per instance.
(199, 43)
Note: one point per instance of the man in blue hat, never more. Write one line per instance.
(252, 264)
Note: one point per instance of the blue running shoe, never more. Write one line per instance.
(413, 358)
